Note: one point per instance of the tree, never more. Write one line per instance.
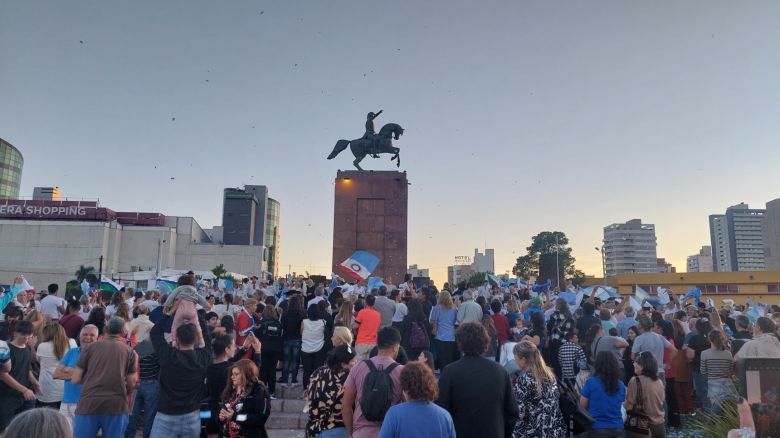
(549, 256)
(86, 273)
(476, 279)
(219, 271)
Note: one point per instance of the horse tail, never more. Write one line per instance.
(340, 146)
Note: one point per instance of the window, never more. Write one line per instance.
(773, 288)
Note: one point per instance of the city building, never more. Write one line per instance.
(664, 266)
(758, 286)
(630, 247)
(770, 229)
(250, 217)
(272, 235)
(701, 262)
(736, 238)
(11, 164)
(458, 273)
(416, 272)
(49, 240)
(47, 194)
(484, 262)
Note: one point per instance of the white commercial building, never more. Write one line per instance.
(50, 251)
(701, 262)
(630, 247)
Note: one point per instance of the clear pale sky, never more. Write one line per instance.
(520, 116)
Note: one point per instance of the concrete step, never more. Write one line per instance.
(287, 420)
(289, 392)
(292, 406)
(286, 433)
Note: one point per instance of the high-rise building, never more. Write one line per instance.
(484, 262)
(250, 217)
(47, 194)
(272, 235)
(701, 262)
(11, 163)
(630, 247)
(719, 240)
(770, 229)
(737, 243)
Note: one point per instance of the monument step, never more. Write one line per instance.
(286, 420)
(289, 392)
(288, 405)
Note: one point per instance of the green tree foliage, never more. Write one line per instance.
(86, 273)
(540, 261)
(219, 271)
(476, 279)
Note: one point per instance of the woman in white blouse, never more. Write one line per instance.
(52, 348)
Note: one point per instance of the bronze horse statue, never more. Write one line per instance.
(372, 144)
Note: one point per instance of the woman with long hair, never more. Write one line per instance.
(97, 317)
(665, 329)
(312, 342)
(716, 363)
(442, 318)
(559, 326)
(490, 328)
(415, 330)
(344, 316)
(245, 403)
(292, 320)
(603, 395)
(682, 382)
(52, 348)
(326, 389)
(536, 393)
(628, 363)
(652, 393)
(693, 350)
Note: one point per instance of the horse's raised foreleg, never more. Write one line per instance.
(398, 157)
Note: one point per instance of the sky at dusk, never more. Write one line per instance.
(519, 116)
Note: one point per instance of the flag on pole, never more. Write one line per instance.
(693, 292)
(334, 282)
(636, 305)
(251, 326)
(570, 297)
(663, 295)
(494, 279)
(640, 293)
(374, 282)
(360, 265)
(107, 284)
(20, 285)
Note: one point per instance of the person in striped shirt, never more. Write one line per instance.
(571, 358)
(716, 366)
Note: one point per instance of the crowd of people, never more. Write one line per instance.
(471, 361)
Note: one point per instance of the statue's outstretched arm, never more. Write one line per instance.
(377, 114)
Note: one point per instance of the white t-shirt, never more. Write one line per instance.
(221, 309)
(312, 336)
(51, 390)
(84, 315)
(49, 306)
(400, 311)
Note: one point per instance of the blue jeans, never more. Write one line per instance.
(292, 356)
(336, 432)
(145, 400)
(177, 426)
(87, 425)
(700, 385)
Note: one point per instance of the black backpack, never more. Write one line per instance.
(377, 392)
(271, 335)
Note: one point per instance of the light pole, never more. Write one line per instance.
(603, 263)
(159, 249)
(557, 266)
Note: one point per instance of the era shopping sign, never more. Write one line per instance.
(74, 210)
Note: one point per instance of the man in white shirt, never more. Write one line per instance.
(53, 305)
(129, 297)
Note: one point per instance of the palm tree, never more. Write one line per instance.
(86, 273)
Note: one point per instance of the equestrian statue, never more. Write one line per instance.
(372, 143)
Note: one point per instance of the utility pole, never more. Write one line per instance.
(159, 249)
(557, 266)
(100, 271)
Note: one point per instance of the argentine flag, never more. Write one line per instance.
(641, 294)
(360, 265)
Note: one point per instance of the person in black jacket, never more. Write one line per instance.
(182, 372)
(246, 402)
(269, 332)
(415, 317)
(477, 391)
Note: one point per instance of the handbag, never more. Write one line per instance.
(576, 418)
(637, 424)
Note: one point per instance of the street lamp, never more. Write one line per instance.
(159, 249)
(603, 262)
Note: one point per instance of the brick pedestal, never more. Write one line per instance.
(370, 214)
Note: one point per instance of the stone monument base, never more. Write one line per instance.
(370, 214)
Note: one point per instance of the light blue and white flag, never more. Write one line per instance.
(693, 292)
(494, 279)
(640, 293)
(334, 282)
(636, 305)
(360, 265)
(374, 282)
(663, 295)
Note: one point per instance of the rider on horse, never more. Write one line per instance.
(371, 133)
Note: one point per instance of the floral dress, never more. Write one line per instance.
(326, 389)
(539, 416)
(230, 428)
